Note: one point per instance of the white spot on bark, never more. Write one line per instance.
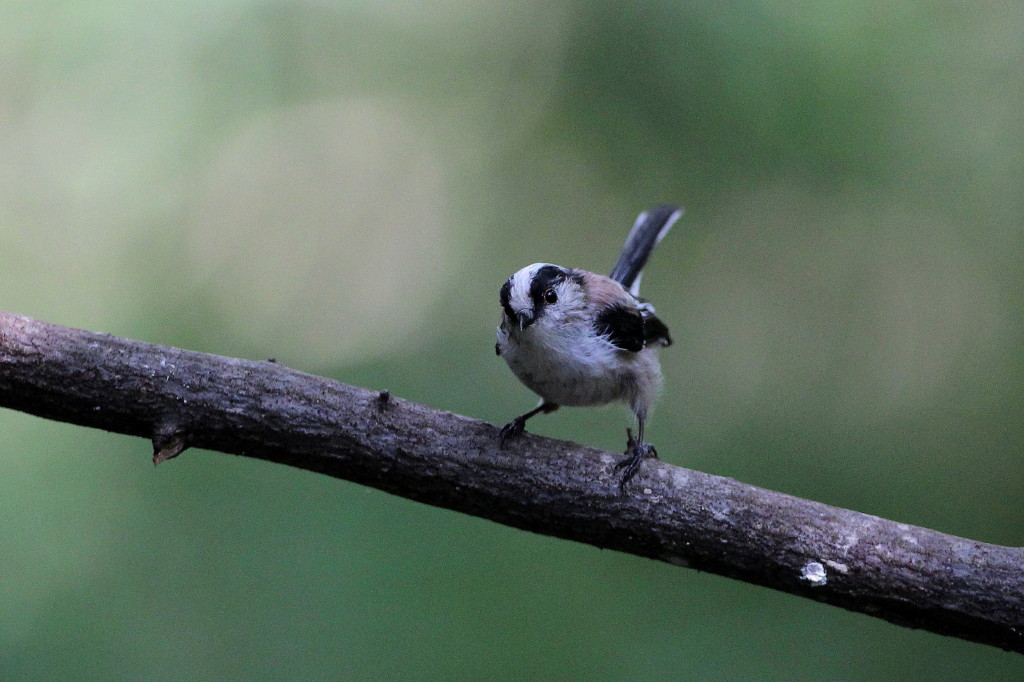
(814, 573)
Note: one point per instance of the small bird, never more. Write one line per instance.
(577, 338)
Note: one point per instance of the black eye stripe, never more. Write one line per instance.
(548, 277)
(504, 295)
(545, 278)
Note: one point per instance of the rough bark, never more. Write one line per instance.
(911, 576)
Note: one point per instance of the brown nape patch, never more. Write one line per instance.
(605, 291)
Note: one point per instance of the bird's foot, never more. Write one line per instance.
(518, 425)
(637, 452)
(512, 430)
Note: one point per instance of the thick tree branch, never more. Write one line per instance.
(912, 576)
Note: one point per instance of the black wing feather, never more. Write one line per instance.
(623, 326)
(631, 329)
(655, 331)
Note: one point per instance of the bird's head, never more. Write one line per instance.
(541, 293)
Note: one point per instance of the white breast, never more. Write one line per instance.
(569, 365)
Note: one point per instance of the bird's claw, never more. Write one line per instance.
(637, 452)
(512, 430)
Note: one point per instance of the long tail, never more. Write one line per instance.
(647, 231)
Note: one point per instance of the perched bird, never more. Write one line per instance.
(577, 338)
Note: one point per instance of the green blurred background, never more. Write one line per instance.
(344, 186)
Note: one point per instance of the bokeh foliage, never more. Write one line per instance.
(343, 186)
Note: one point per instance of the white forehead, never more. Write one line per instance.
(519, 296)
(522, 278)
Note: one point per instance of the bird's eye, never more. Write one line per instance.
(550, 296)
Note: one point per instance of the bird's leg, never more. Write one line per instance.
(516, 426)
(638, 451)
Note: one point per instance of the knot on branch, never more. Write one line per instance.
(169, 441)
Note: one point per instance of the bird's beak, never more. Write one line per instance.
(524, 319)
